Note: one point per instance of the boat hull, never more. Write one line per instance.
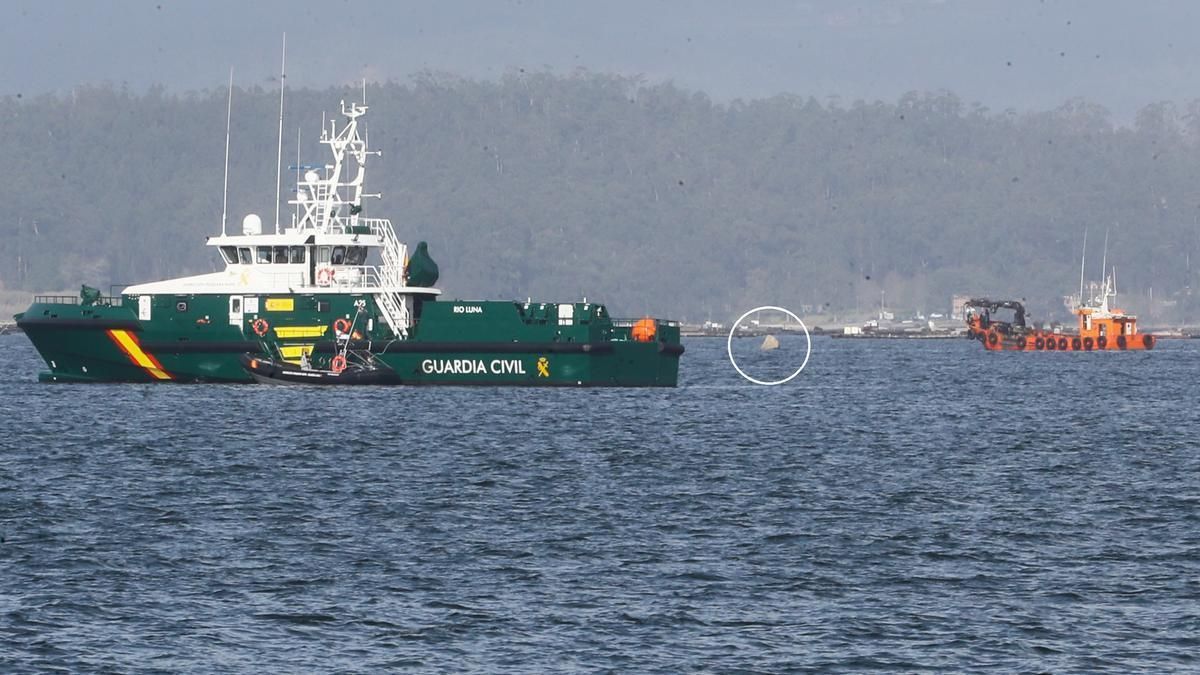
(271, 371)
(1045, 341)
(192, 340)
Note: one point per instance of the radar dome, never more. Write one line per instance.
(252, 224)
(311, 176)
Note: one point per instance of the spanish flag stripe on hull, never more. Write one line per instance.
(129, 344)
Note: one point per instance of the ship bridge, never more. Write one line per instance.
(330, 246)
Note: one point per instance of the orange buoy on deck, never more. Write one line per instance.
(645, 330)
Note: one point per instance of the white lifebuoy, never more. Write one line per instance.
(325, 276)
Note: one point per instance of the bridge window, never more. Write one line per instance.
(339, 255)
(280, 255)
(356, 255)
(230, 254)
(296, 255)
(322, 254)
(264, 255)
(244, 256)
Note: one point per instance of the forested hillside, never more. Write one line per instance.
(651, 198)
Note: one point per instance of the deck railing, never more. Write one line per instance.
(628, 323)
(104, 300)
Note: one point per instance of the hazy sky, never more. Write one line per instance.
(1004, 53)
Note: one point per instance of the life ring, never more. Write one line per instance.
(1076, 344)
(1088, 343)
(1148, 341)
(1121, 342)
(260, 326)
(325, 276)
(992, 339)
(1051, 345)
(338, 364)
(1039, 343)
(1062, 344)
(1102, 342)
(341, 325)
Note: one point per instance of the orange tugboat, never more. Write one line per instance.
(1101, 327)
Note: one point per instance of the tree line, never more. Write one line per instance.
(647, 196)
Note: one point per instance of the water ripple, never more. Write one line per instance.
(903, 506)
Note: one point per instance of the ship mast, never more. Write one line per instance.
(320, 199)
(279, 153)
(225, 190)
(1082, 264)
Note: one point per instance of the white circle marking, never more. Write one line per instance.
(807, 350)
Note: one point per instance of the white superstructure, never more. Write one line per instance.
(330, 246)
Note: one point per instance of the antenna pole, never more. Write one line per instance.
(279, 153)
(225, 190)
(296, 218)
(1082, 262)
(1104, 260)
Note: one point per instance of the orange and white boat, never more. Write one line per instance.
(1101, 327)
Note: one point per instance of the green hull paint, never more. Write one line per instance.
(190, 338)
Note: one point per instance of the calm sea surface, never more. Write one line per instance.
(906, 505)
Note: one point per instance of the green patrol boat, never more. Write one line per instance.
(336, 298)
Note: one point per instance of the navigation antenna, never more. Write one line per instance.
(1082, 263)
(1104, 260)
(296, 217)
(225, 190)
(279, 153)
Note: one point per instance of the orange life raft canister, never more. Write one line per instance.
(644, 330)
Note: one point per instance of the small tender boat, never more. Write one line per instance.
(1101, 327)
(277, 371)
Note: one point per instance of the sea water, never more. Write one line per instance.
(899, 505)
